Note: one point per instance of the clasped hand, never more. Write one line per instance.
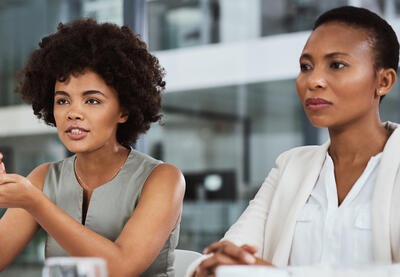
(15, 190)
(227, 253)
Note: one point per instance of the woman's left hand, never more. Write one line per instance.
(237, 252)
(16, 191)
(227, 253)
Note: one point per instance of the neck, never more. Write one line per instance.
(98, 167)
(358, 140)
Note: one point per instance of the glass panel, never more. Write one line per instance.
(179, 23)
(22, 24)
(103, 10)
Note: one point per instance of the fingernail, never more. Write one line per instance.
(205, 250)
(249, 259)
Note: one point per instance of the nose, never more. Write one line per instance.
(74, 114)
(316, 79)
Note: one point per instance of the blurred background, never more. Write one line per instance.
(229, 109)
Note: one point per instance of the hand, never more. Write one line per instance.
(227, 253)
(16, 191)
(2, 167)
(253, 249)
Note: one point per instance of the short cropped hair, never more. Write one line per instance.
(113, 52)
(382, 36)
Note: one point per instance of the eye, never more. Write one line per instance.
(62, 101)
(305, 67)
(338, 65)
(93, 101)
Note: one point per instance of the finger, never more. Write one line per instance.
(8, 178)
(209, 265)
(238, 253)
(214, 247)
(250, 248)
(2, 168)
(203, 273)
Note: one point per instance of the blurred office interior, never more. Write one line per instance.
(230, 106)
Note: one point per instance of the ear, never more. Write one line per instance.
(123, 117)
(386, 77)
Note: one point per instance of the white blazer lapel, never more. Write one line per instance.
(381, 201)
(296, 185)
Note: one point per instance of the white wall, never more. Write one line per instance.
(258, 60)
(20, 120)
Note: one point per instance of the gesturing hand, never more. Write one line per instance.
(16, 191)
(227, 253)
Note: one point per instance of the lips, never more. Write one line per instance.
(317, 104)
(76, 132)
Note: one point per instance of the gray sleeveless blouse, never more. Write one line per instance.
(110, 206)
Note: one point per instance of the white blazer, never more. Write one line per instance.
(269, 220)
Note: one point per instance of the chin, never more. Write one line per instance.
(320, 122)
(76, 146)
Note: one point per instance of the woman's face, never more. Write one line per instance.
(337, 83)
(87, 112)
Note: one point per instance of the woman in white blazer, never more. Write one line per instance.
(336, 203)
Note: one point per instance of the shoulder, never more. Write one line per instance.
(38, 175)
(302, 153)
(166, 177)
(168, 171)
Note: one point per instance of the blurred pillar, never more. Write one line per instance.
(74, 9)
(389, 9)
(135, 17)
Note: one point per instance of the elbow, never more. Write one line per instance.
(123, 273)
(119, 272)
(123, 268)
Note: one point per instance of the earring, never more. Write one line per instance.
(379, 92)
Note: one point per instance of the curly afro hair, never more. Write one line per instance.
(114, 53)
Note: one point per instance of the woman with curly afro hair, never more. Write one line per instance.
(101, 88)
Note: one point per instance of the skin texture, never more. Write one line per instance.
(99, 157)
(343, 74)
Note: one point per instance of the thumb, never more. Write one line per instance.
(2, 168)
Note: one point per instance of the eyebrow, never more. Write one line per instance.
(327, 56)
(331, 55)
(85, 93)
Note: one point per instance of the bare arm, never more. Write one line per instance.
(17, 226)
(141, 239)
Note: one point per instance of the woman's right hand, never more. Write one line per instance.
(2, 167)
(225, 253)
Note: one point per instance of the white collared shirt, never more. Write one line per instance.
(326, 233)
